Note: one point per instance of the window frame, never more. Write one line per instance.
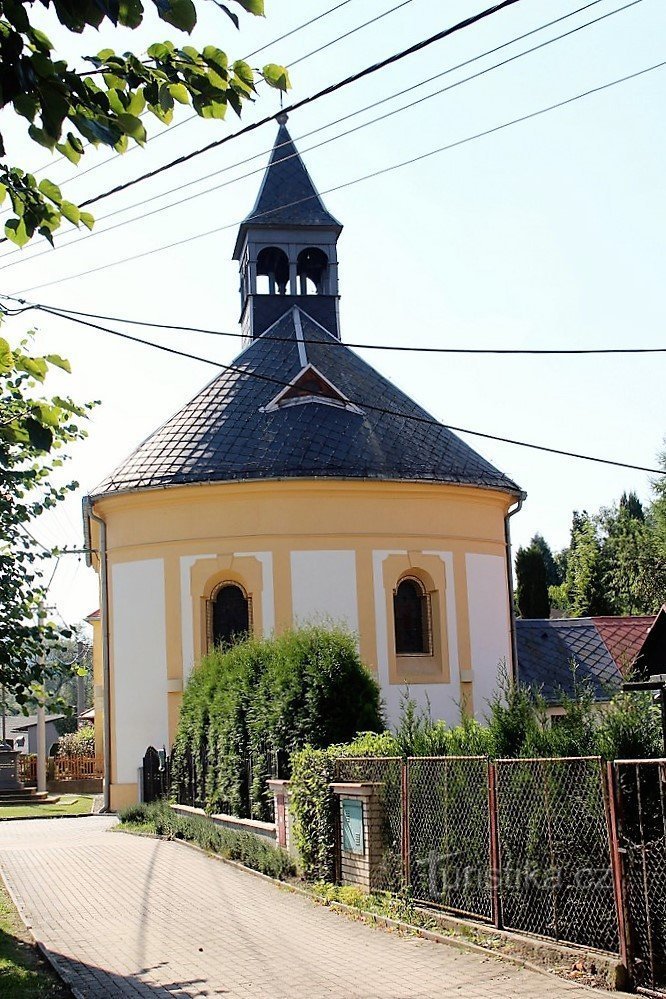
(210, 610)
(409, 577)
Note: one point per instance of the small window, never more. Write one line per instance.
(411, 613)
(231, 615)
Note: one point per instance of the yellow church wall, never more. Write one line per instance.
(252, 532)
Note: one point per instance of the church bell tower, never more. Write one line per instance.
(287, 246)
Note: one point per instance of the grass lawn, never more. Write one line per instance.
(23, 973)
(69, 804)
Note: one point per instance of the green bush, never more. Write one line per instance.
(261, 700)
(80, 743)
(246, 848)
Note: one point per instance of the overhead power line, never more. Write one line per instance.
(412, 418)
(333, 343)
(334, 138)
(325, 92)
(157, 135)
(357, 180)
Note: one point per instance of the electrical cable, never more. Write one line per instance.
(333, 343)
(281, 38)
(334, 138)
(351, 183)
(412, 418)
(306, 101)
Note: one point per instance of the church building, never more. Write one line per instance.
(298, 486)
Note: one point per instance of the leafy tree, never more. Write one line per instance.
(657, 514)
(634, 566)
(33, 429)
(67, 107)
(532, 588)
(582, 593)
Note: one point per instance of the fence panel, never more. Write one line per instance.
(641, 791)
(388, 773)
(74, 767)
(449, 833)
(556, 874)
(28, 769)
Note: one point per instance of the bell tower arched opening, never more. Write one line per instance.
(312, 271)
(272, 271)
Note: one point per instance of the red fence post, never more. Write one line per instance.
(406, 872)
(611, 799)
(495, 867)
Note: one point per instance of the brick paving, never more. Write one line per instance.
(129, 916)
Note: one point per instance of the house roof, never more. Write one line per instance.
(21, 723)
(603, 650)
(233, 430)
(287, 196)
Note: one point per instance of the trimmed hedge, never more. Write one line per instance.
(249, 707)
(160, 819)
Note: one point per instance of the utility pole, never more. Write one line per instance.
(41, 714)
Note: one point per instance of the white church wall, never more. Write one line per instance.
(139, 664)
(489, 623)
(187, 613)
(324, 588)
(442, 698)
(268, 588)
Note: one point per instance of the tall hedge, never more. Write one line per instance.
(250, 706)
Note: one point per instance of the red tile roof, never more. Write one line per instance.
(624, 637)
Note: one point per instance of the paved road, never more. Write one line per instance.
(126, 916)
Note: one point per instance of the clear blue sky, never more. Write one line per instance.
(551, 233)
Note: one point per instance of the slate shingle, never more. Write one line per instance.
(223, 434)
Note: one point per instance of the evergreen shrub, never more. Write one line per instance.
(80, 743)
(249, 707)
(160, 819)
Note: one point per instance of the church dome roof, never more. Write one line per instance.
(297, 403)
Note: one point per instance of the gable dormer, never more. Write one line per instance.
(287, 246)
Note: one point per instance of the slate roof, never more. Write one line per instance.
(224, 434)
(287, 183)
(603, 649)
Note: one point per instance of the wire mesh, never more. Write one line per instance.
(449, 833)
(556, 875)
(386, 773)
(641, 787)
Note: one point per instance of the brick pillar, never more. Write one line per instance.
(284, 824)
(361, 840)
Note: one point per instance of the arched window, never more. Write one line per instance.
(312, 269)
(272, 271)
(412, 619)
(231, 615)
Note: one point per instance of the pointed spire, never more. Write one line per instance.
(287, 195)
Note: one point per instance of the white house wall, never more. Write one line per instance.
(139, 663)
(324, 588)
(489, 624)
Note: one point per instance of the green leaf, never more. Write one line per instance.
(3, 192)
(215, 57)
(66, 150)
(130, 13)
(40, 136)
(255, 7)
(41, 40)
(26, 105)
(132, 126)
(59, 362)
(41, 437)
(276, 76)
(71, 212)
(6, 357)
(137, 103)
(50, 191)
(35, 366)
(244, 72)
(16, 231)
(181, 13)
(47, 415)
(180, 93)
(87, 219)
(105, 54)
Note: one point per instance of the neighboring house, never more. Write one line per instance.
(295, 488)
(604, 650)
(22, 732)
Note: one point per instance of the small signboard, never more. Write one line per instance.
(352, 826)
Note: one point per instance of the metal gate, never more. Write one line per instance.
(641, 794)
(155, 775)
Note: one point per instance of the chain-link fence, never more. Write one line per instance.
(641, 793)
(387, 774)
(556, 873)
(449, 833)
